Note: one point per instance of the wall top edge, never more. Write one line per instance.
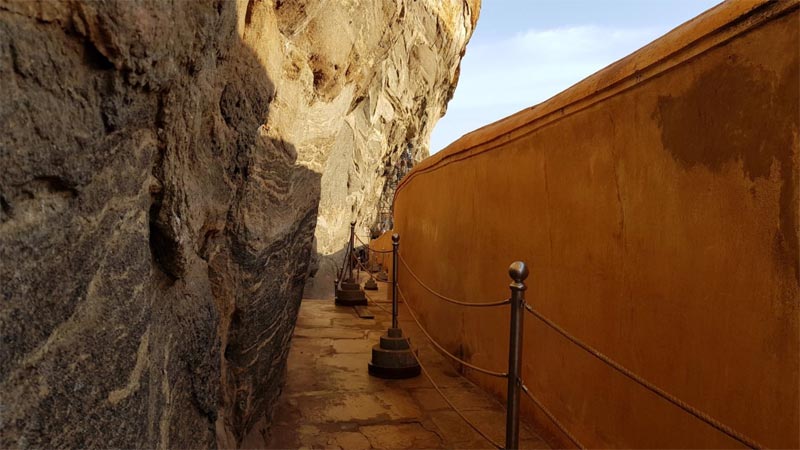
(696, 36)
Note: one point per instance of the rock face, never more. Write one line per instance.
(374, 77)
(165, 166)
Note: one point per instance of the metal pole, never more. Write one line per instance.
(342, 270)
(518, 272)
(395, 249)
(351, 251)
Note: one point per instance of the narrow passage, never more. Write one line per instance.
(330, 401)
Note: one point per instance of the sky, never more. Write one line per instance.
(525, 51)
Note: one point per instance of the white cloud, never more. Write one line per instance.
(502, 77)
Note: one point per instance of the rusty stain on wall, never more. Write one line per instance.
(741, 114)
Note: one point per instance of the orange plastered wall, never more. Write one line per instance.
(657, 206)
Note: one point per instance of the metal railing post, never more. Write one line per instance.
(518, 272)
(340, 274)
(395, 249)
(351, 250)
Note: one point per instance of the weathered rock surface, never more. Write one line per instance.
(164, 166)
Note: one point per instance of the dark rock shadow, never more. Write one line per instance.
(320, 285)
(154, 243)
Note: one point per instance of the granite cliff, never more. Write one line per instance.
(166, 167)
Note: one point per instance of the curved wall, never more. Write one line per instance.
(657, 204)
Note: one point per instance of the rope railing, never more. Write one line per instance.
(446, 298)
(728, 431)
(552, 418)
(441, 348)
(370, 248)
(519, 272)
(372, 301)
(361, 265)
(450, 403)
(414, 352)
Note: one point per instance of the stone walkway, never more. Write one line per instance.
(330, 401)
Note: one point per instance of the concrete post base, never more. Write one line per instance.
(350, 295)
(392, 357)
(371, 285)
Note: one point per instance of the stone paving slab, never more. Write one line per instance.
(401, 436)
(330, 401)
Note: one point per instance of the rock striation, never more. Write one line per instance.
(166, 168)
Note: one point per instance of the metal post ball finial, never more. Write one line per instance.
(518, 271)
(395, 238)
